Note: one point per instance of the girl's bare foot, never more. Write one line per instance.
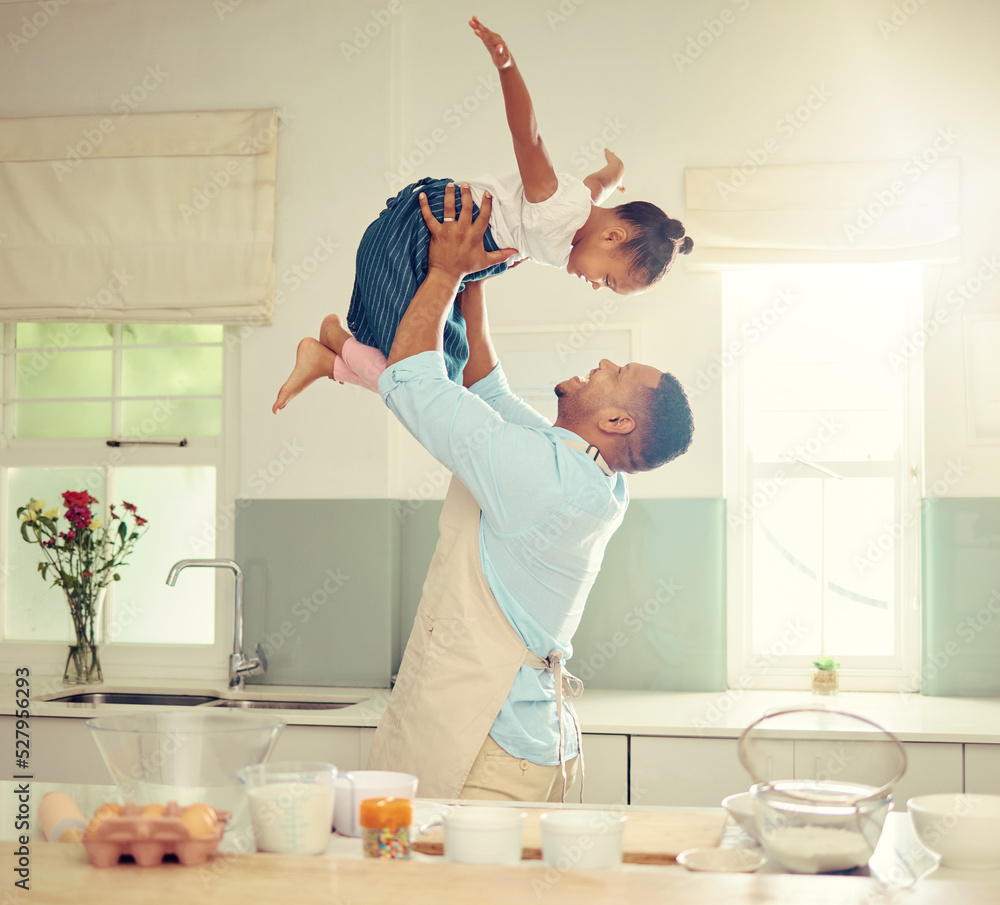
(333, 333)
(312, 361)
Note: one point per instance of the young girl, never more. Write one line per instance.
(549, 218)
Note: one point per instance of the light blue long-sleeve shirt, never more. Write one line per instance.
(548, 511)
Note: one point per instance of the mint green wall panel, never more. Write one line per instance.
(656, 618)
(321, 590)
(960, 561)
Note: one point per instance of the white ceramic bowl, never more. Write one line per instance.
(483, 835)
(963, 829)
(582, 840)
(740, 808)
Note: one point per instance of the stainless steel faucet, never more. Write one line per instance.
(240, 666)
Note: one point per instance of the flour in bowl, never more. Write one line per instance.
(817, 849)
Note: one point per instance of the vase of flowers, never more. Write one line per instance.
(83, 560)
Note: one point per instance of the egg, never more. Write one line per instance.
(152, 810)
(104, 812)
(200, 820)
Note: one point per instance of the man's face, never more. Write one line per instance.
(607, 385)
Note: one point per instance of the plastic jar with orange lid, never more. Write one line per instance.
(386, 827)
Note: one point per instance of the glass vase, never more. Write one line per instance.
(824, 681)
(83, 662)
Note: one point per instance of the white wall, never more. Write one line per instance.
(352, 115)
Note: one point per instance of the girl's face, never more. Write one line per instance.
(596, 260)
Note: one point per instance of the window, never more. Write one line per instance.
(823, 427)
(67, 390)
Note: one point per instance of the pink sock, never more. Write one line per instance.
(359, 364)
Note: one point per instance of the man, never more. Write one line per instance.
(477, 709)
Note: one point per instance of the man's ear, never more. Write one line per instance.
(616, 421)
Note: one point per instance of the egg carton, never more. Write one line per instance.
(150, 839)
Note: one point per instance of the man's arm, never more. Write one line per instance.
(482, 355)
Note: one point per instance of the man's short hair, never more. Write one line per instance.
(663, 425)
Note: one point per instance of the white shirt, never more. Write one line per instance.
(543, 231)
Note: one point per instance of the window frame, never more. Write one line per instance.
(746, 670)
(131, 660)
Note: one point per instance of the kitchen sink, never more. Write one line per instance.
(284, 705)
(121, 697)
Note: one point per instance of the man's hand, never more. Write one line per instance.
(457, 245)
(499, 52)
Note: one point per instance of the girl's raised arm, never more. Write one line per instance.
(537, 174)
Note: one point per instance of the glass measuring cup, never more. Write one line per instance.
(291, 805)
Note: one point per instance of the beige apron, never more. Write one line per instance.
(458, 667)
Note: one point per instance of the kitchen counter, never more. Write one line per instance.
(912, 717)
(63, 873)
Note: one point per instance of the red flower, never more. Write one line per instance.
(128, 506)
(77, 498)
(86, 574)
(140, 521)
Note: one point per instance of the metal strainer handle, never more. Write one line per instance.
(876, 793)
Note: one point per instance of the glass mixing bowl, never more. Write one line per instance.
(815, 826)
(185, 756)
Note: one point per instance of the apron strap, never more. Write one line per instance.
(569, 685)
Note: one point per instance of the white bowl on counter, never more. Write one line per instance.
(963, 829)
(483, 835)
(740, 808)
(584, 840)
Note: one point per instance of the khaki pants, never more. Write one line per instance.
(498, 776)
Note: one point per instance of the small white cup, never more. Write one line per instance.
(356, 786)
(582, 840)
(483, 835)
(291, 805)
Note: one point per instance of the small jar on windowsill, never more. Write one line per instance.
(825, 676)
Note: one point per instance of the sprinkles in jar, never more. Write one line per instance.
(386, 827)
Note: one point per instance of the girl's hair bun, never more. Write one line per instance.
(673, 229)
(685, 247)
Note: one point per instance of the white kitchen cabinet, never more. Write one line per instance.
(931, 766)
(982, 769)
(696, 772)
(62, 750)
(606, 768)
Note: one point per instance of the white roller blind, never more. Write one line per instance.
(858, 212)
(155, 218)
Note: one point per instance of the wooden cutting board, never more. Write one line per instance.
(650, 837)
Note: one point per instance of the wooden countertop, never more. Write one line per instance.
(62, 873)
